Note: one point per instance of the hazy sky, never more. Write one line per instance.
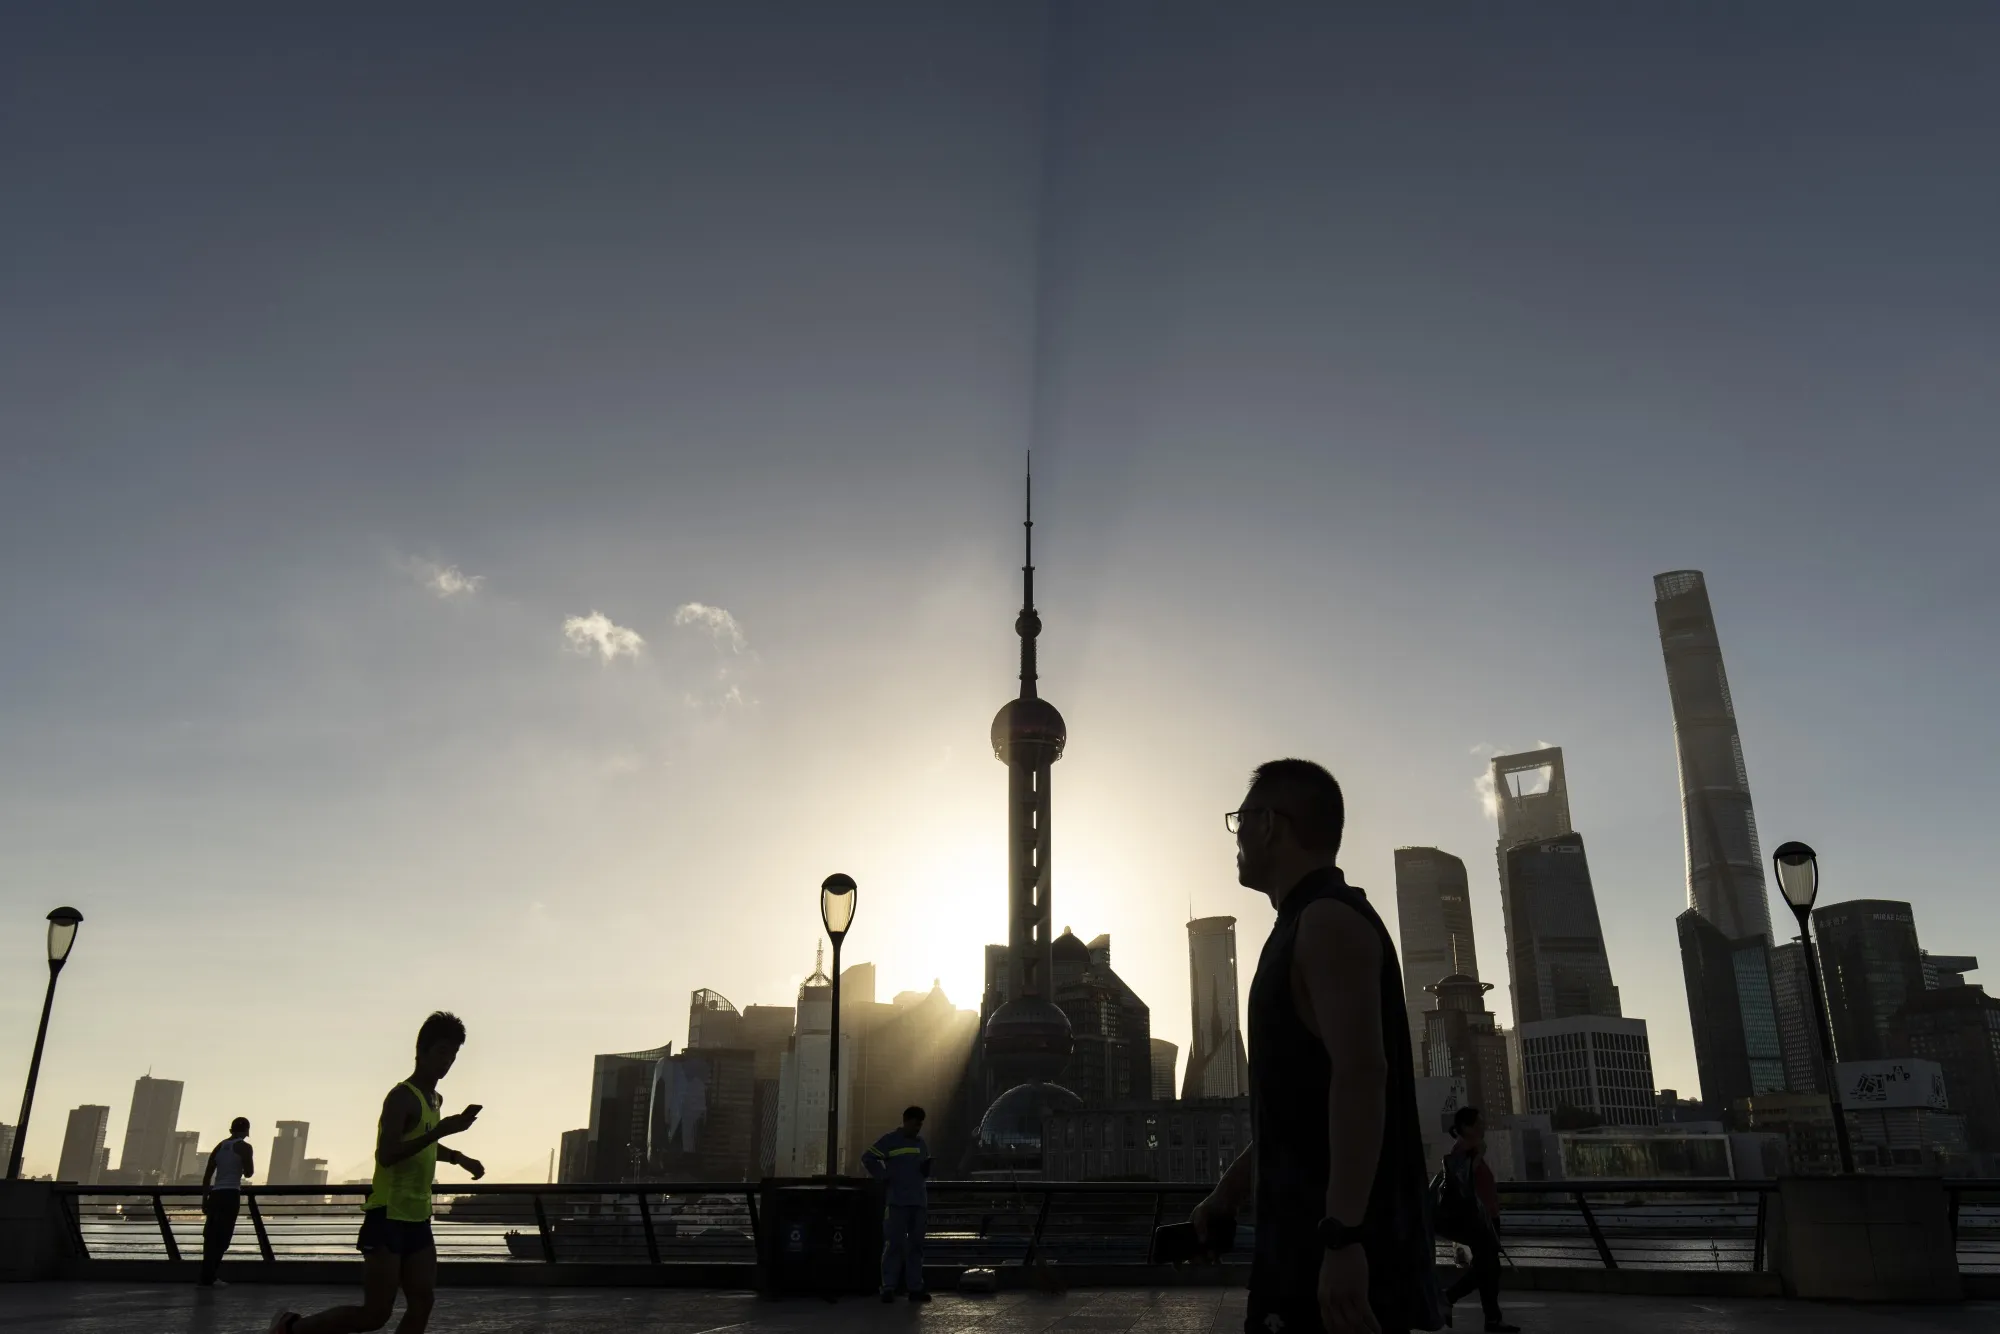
(495, 506)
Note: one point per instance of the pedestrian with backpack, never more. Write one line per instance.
(1466, 1210)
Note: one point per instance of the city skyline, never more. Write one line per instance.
(523, 532)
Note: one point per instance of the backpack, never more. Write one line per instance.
(1455, 1209)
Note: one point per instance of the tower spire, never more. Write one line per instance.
(1029, 623)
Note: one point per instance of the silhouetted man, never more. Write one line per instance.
(902, 1159)
(1336, 1158)
(395, 1243)
(221, 1194)
(1470, 1215)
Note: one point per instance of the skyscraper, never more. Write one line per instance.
(1165, 1056)
(1434, 914)
(1217, 1065)
(1462, 1042)
(83, 1144)
(149, 1130)
(1732, 1008)
(186, 1155)
(1725, 864)
(621, 1086)
(803, 1074)
(1871, 967)
(1798, 1022)
(1959, 1028)
(1555, 942)
(1027, 1039)
(288, 1154)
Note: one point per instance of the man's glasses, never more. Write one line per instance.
(1233, 820)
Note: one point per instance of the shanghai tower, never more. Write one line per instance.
(1725, 933)
(1028, 1040)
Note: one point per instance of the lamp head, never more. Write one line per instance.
(836, 904)
(63, 923)
(1798, 875)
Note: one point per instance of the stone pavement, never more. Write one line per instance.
(138, 1308)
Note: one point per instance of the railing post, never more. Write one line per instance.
(1596, 1233)
(1159, 1208)
(1041, 1221)
(263, 1233)
(652, 1242)
(1757, 1246)
(1956, 1197)
(73, 1211)
(756, 1224)
(166, 1228)
(542, 1223)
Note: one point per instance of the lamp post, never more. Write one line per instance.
(1798, 879)
(63, 923)
(836, 910)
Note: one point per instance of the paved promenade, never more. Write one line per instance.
(135, 1308)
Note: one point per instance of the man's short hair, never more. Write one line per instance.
(1462, 1119)
(240, 1126)
(442, 1026)
(1308, 796)
(913, 1113)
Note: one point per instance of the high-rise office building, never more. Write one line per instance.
(1462, 1042)
(1946, 970)
(1738, 1039)
(1725, 862)
(1434, 917)
(914, 1049)
(621, 1089)
(1589, 1064)
(1217, 1064)
(83, 1151)
(1959, 1028)
(1165, 1057)
(767, 1032)
(713, 1021)
(1027, 1039)
(1871, 968)
(1555, 942)
(149, 1129)
(288, 1154)
(1111, 1033)
(803, 1076)
(6, 1142)
(573, 1159)
(186, 1156)
(1798, 1022)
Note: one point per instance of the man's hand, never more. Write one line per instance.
(1207, 1216)
(1343, 1293)
(472, 1165)
(456, 1125)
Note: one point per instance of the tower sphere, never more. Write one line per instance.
(1026, 724)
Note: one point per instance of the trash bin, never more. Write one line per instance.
(819, 1239)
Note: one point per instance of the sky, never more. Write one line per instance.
(493, 509)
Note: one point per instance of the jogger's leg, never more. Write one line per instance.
(381, 1272)
(419, 1292)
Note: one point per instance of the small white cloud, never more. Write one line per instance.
(444, 581)
(599, 634)
(1482, 748)
(1489, 798)
(721, 626)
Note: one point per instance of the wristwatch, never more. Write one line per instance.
(1336, 1235)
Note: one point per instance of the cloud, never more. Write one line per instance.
(1489, 799)
(599, 634)
(444, 581)
(721, 626)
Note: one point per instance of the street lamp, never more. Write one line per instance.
(836, 910)
(1798, 880)
(63, 923)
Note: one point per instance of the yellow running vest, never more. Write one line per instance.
(404, 1188)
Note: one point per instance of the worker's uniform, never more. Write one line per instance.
(904, 1162)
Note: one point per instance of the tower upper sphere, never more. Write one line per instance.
(1031, 728)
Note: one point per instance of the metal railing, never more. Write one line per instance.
(1644, 1225)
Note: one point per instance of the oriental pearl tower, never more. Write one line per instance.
(1027, 1041)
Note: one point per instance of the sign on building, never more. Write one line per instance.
(1870, 1085)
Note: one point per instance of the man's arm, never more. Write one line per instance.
(399, 1112)
(249, 1157)
(208, 1173)
(1338, 967)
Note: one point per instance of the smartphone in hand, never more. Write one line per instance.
(474, 1108)
(1177, 1244)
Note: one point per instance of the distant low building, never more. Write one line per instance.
(1188, 1141)
(573, 1158)
(1593, 1065)
(84, 1155)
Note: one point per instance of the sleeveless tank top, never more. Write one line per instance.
(228, 1165)
(1290, 1080)
(404, 1188)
